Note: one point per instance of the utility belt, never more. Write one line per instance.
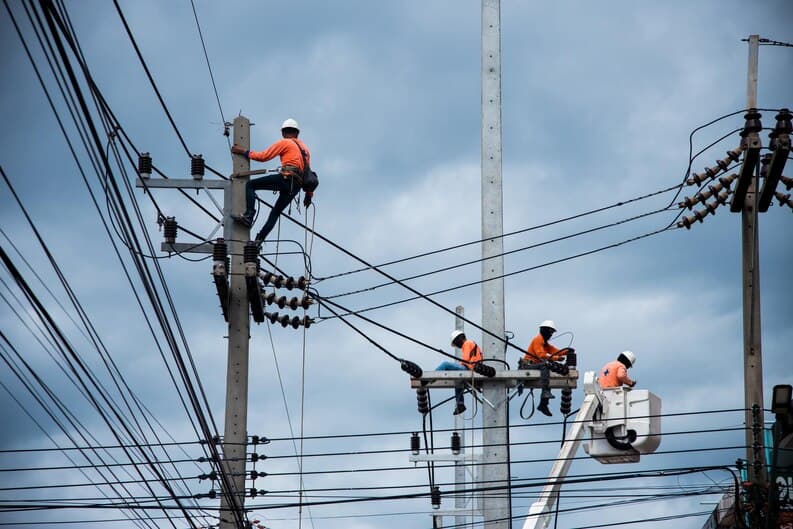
(290, 171)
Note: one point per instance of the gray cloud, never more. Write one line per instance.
(597, 107)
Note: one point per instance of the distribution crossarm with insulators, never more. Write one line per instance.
(784, 199)
(712, 172)
(530, 378)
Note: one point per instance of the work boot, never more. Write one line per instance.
(547, 395)
(543, 407)
(243, 219)
(459, 409)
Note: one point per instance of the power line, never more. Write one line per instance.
(479, 428)
(360, 470)
(75, 362)
(209, 67)
(508, 252)
(154, 87)
(584, 478)
(508, 234)
(677, 187)
(52, 19)
(336, 454)
(507, 274)
(49, 15)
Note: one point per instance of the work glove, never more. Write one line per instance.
(632, 384)
(307, 200)
(236, 149)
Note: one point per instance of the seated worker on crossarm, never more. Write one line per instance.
(537, 356)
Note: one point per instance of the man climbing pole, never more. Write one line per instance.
(295, 158)
(538, 355)
(471, 354)
(615, 373)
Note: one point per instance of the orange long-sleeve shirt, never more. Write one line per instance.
(287, 149)
(613, 375)
(471, 354)
(539, 350)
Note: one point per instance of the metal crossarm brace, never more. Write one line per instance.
(181, 183)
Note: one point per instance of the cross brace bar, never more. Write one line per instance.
(186, 247)
(530, 378)
(181, 183)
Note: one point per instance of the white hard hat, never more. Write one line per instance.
(548, 323)
(630, 357)
(290, 124)
(454, 335)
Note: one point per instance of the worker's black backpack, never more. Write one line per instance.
(309, 178)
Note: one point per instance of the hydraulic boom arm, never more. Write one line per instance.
(540, 511)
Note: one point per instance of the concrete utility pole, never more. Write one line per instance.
(752, 348)
(495, 472)
(235, 305)
(235, 432)
(459, 426)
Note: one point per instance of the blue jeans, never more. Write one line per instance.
(287, 190)
(458, 387)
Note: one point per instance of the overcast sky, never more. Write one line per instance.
(598, 101)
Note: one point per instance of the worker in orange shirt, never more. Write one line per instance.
(287, 181)
(471, 354)
(537, 356)
(615, 373)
